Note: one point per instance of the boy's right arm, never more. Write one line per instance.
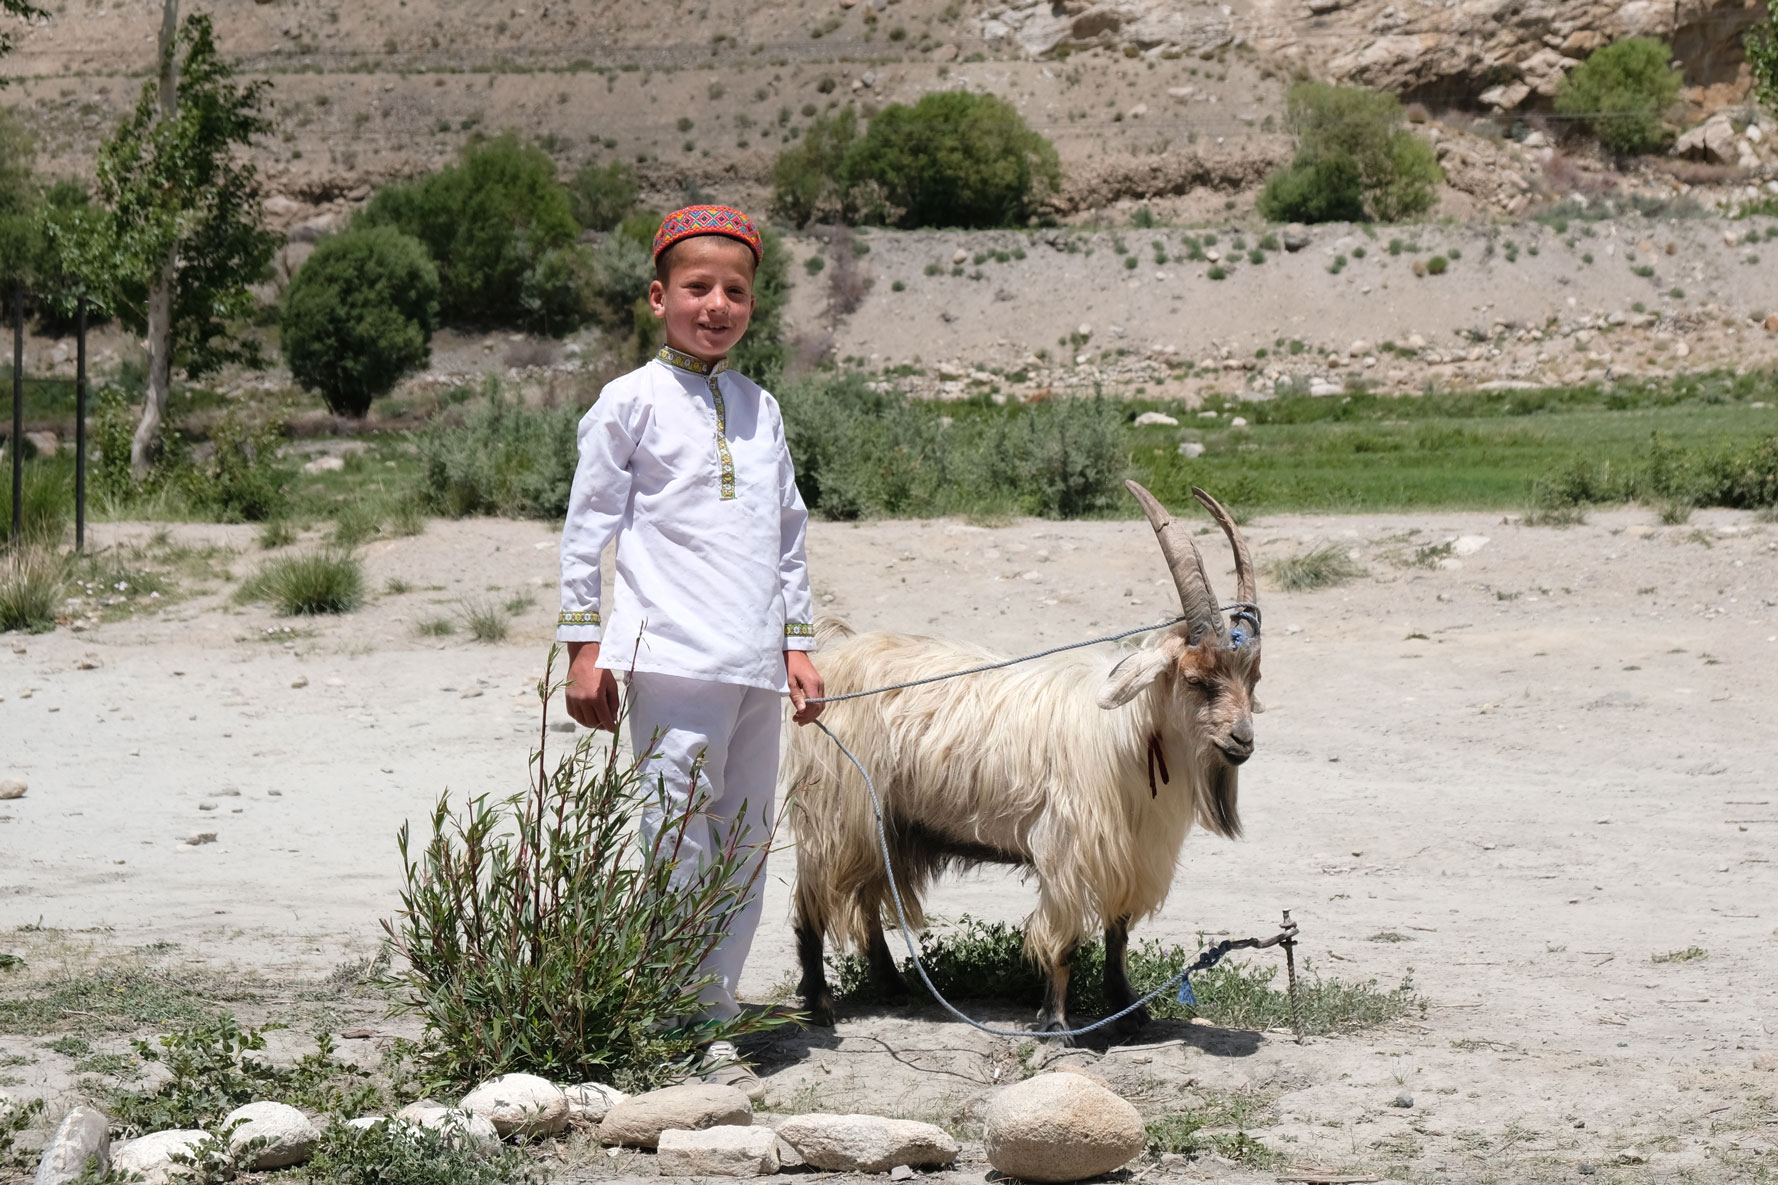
(596, 506)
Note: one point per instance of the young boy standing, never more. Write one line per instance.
(684, 463)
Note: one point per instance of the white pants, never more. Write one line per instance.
(731, 733)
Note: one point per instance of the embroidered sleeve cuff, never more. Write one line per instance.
(799, 635)
(577, 625)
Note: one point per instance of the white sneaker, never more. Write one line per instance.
(723, 1067)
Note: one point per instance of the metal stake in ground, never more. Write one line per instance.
(1289, 945)
(80, 422)
(18, 412)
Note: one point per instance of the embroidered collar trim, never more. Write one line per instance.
(685, 361)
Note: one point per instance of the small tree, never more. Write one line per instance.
(1354, 160)
(501, 231)
(953, 159)
(19, 198)
(359, 315)
(1620, 92)
(809, 177)
(603, 195)
(1762, 58)
(186, 219)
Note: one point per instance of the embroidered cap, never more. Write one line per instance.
(707, 220)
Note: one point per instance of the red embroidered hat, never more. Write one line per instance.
(706, 220)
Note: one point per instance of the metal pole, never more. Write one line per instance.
(18, 413)
(80, 422)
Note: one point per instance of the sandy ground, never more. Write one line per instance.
(1542, 765)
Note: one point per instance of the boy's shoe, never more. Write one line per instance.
(723, 1067)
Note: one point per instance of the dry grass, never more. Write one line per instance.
(1322, 568)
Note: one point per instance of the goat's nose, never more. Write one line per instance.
(1242, 732)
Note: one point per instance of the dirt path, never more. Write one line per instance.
(1539, 765)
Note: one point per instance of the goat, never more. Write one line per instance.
(1026, 766)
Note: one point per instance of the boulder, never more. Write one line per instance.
(519, 1105)
(717, 1152)
(287, 1135)
(590, 1101)
(1296, 237)
(1506, 96)
(465, 1126)
(638, 1122)
(151, 1157)
(13, 788)
(1713, 140)
(1161, 418)
(867, 1143)
(1059, 1127)
(83, 1137)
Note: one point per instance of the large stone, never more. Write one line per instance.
(464, 1126)
(13, 788)
(1713, 140)
(867, 1143)
(82, 1138)
(639, 1121)
(286, 1136)
(717, 1152)
(1059, 1127)
(590, 1101)
(151, 1157)
(519, 1105)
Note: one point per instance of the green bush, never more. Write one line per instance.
(1438, 265)
(540, 933)
(1732, 474)
(501, 231)
(504, 458)
(1354, 160)
(396, 1153)
(954, 158)
(319, 582)
(359, 315)
(603, 195)
(47, 503)
(1761, 44)
(240, 480)
(761, 354)
(16, 1118)
(1620, 93)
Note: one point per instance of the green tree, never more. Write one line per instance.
(502, 232)
(952, 159)
(762, 353)
(1762, 58)
(18, 10)
(19, 198)
(603, 195)
(359, 315)
(1620, 92)
(74, 258)
(809, 177)
(186, 218)
(1354, 160)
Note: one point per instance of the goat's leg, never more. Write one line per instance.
(1118, 993)
(883, 971)
(1053, 1018)
(817, 996)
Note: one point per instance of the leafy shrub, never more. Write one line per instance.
(359, 315)
(1761, 44)
(501, 231)
(1620, 92)
(16, 1118)
(31, 581)
(240, 481)
(1063, 459)
(954, 158)
(211, 1071)
(603, 195)
(539, 932)
(306, 585)
(1733, 474)
(1354, 160)
(504, 458)
(396, 1153)
(762, 353)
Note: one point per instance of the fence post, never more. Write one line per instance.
(18, 413)
(80, 422)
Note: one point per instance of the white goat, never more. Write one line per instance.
(1050, 766)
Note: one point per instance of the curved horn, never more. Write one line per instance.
(1249, 588)
(1187, 567)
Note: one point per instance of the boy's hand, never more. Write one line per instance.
(592, 691)
(805, 684)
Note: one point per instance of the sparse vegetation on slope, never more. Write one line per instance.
(1620, 93)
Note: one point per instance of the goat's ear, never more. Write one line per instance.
(1136, 672)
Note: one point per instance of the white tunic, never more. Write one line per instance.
(686, 466)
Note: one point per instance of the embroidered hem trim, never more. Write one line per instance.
(685, 361)
(798, 629)
(578, 617)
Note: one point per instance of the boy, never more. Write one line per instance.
(683, 461)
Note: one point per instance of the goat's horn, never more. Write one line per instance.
(1187, 567)
(1249, 588)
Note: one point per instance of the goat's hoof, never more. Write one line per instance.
(1135, 1020)
(819, 1006)
(1054, 1030)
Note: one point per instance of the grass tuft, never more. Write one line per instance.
(486, 621)
(330, 581)
(31, 583)
(435, 627)
(1322, 568)
(276, 533)
(1688, 955)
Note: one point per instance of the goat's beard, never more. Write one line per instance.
(1218, 810)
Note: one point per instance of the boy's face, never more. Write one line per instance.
(707, 298)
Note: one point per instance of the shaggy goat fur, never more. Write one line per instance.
(1049, 766)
